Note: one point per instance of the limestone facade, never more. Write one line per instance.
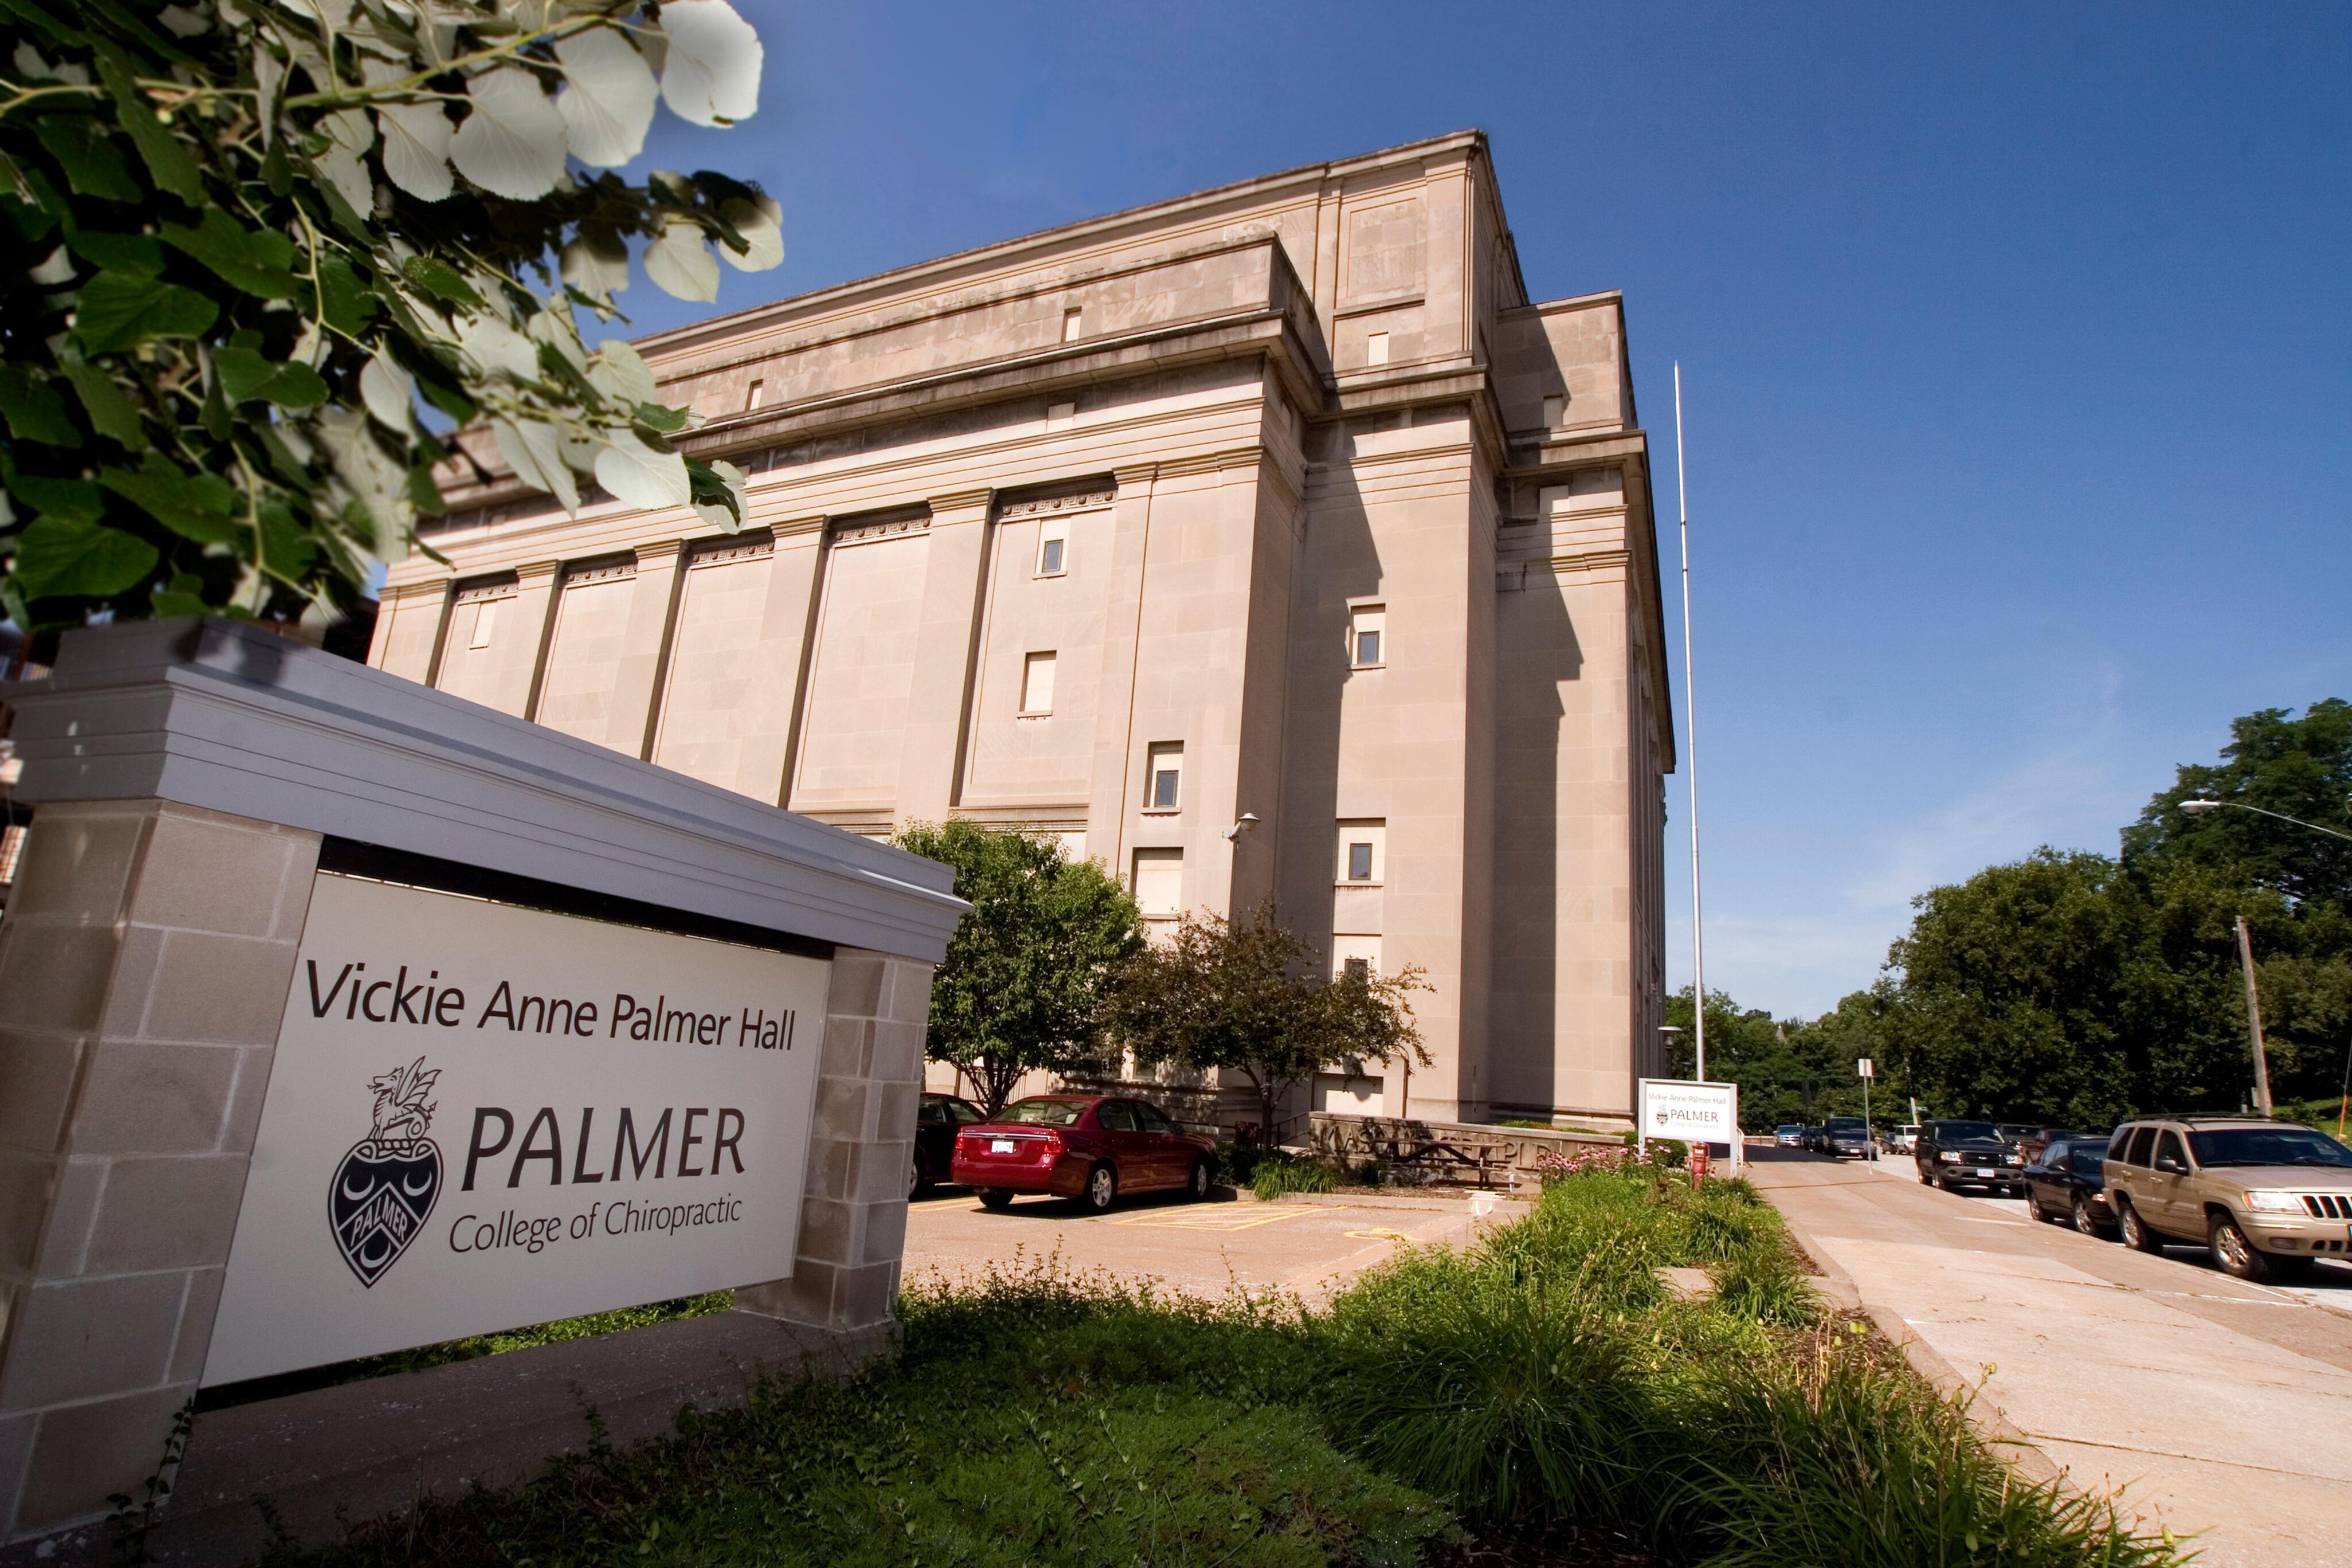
(1284, 489)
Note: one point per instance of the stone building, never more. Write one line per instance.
(1280, 498)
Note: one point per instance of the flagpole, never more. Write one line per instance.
(1690, 745)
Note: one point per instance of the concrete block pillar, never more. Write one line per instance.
(143, 966)
(854, 1216)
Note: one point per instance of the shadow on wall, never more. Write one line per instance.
(1535, 649)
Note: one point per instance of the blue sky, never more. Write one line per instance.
(2017, 349)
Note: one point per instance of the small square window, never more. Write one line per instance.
(1037, 684)
(1363, 851)
(1366, 635)
(1164, 789)
(1376, 348)
(1061, 415)
(1053, 550)
(1356, 968)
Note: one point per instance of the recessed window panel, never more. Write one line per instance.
(1164, 785)
(1038, 683)
(1366, 635)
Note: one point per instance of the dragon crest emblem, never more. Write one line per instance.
(386, 1184)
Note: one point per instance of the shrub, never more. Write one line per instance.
(1276, 1174)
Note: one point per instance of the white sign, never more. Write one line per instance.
(482, 1117)
(1693, 1112)
(1866, 1067)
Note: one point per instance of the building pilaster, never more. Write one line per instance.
(931, 760)
(653, 608)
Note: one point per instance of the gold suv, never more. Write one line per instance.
(2265, 1197)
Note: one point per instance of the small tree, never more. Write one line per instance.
(1219, 995)
(1025, 978)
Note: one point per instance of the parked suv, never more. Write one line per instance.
(1955, 1154)
(2264, 1197)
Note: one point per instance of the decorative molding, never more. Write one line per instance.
(537, 570)
(227, 717)
(849, 531)
(602, 569)
(659, 552)
(725, 549)
(505, 585)
(1054, 506)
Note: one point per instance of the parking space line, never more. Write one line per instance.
(1261, 1214)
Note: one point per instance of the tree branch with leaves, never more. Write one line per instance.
(1218, 995)
(249, 243)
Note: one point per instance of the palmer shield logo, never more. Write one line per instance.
(385, 1187)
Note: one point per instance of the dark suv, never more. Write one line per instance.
(1956, 1154)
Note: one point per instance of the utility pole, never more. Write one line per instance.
(1690, 747)
(2255, 1019)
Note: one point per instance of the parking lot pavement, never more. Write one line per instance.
(2224, 1409)
(1309, 1246)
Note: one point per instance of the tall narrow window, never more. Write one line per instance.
(1555, 411)
(1074, 325)
(1037, 684)
(1368, 635)
(1159, 883)
(1363, 851)
(485, 622)
(1053, 550)
(754, 394)
(1166, 791)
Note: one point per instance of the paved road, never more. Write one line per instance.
(1307, 1246)
(2222, 1409)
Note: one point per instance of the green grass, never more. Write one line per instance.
(1035, 1417)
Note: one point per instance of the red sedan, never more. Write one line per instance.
(1080, 1146)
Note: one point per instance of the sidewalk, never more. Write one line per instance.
(2223, 1409)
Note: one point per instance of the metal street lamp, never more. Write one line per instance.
(2200, 806)
(2246, 959)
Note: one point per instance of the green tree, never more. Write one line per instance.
(1218, 995)
(1787, 1070)
(1028, 973)
(245, 239)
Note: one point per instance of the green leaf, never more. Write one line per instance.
(347, 304)
(423, 494)
(183, 597)
(665, 420)
(94, 166)
(441, 280)
(255, 260)
(198, 506)
(67, 500)
(168, 164)
(245, 374)
(286, 550)
(34, 410)
(119, 310)
(56, 558)
(139, 255)
(110, 410)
